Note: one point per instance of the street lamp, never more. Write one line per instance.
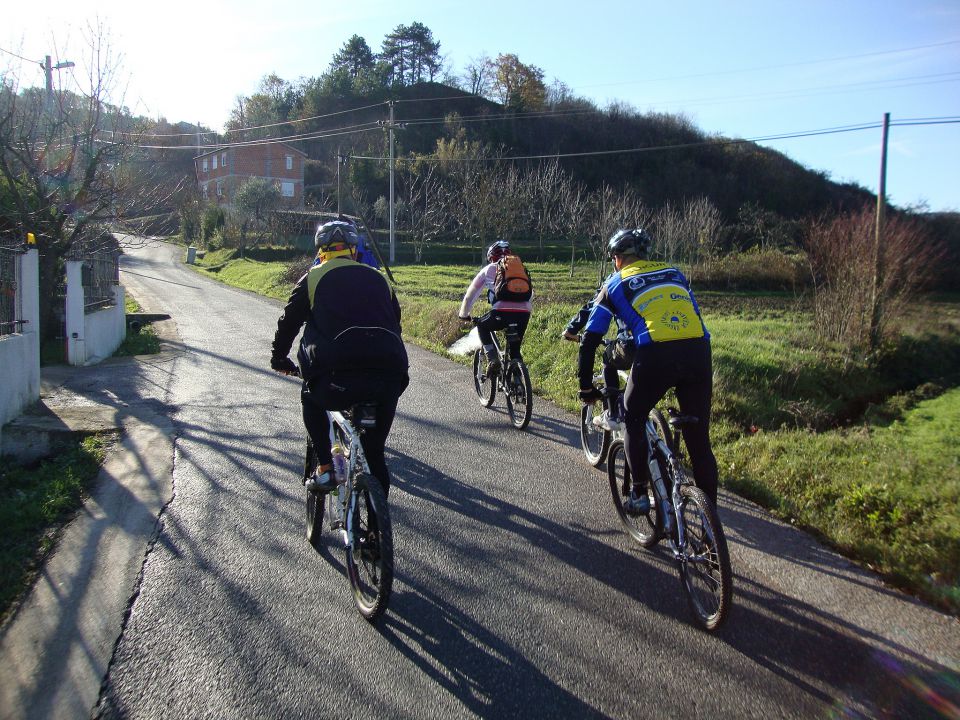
(48, 71)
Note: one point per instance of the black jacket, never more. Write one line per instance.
(352, 321)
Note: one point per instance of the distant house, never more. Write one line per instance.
(220, 173)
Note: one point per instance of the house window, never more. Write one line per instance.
(205, 164)
(214, 162)
(219, 189)
(223, 160)
(204, 191)
(289, 162)
(286, 189)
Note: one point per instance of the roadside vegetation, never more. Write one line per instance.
(856, 446)
(36, 501)
(142, 342)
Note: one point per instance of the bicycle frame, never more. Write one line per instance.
(342, 503)
(671, 508)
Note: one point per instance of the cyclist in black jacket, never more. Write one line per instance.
(351, 350)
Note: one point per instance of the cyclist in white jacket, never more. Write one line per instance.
(502, 312)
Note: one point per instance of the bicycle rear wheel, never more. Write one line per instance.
(486, 387)
(314, 501)
(705, 568)
(645, 529)
(594, 440)
(519, 395)
(370, 557)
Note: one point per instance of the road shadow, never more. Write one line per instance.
(826, 658)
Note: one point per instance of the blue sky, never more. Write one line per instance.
(746, 69)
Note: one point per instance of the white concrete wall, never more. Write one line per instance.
(20, 352)
(106, 329)
(94, 336)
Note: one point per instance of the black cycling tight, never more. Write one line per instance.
(685, 365)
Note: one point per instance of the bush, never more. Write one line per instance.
(857, 294)
(754, 270)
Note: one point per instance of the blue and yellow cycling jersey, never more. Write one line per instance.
(653, 299)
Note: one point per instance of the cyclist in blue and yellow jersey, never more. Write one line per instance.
(654, 300)
(351, 350)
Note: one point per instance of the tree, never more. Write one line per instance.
(254, 200)
(275, 101)
(355, 57)
(69, 166)
(411, 54)
(517, 86)
(477, 75)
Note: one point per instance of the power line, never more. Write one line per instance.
(37, 62)
(356, 129)
(248, 143)
(681, 146)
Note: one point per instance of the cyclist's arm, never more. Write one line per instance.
(473, 292)
(292, 319)
(579, 320)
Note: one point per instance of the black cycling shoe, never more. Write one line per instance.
(637, 504)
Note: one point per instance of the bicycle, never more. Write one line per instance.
(681, 513)
(594, 439)
(513, 380)
(358, 509)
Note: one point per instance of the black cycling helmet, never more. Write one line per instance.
(336, 232)
(634, 241)
(498, 250)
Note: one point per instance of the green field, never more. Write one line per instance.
(859, 449)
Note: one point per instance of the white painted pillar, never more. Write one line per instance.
(76, 346)
(30, 314)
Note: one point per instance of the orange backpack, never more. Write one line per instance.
(512, 282)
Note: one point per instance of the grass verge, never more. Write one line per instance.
(35, 503)
(142, 342)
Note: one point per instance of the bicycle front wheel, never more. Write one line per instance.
(370, 556)
(645, 529)
(486, 387)
(594, 440)
(705, 566)
(314, 501)
(519, 395)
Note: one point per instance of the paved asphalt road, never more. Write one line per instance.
(516, 595)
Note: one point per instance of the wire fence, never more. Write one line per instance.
(100, 274)
(10, 319)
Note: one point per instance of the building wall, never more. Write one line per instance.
(242, 163)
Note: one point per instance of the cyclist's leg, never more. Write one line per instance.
(317, 397)
(611, 382)
(520, 320)
(374, 439)
(485, 327)
(647, 383)
(694, 394)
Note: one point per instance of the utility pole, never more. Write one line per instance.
(48, 69)
(391, 126)
(341, 161)
(877, 252)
